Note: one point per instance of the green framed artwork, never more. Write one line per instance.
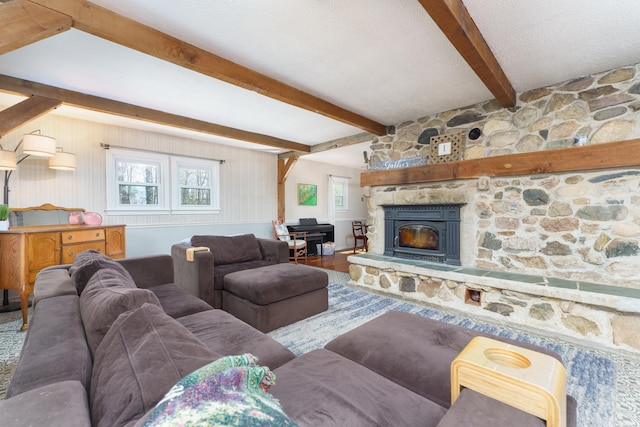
(307, 194)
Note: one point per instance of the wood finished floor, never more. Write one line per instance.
(337, 262)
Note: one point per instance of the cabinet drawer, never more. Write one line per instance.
(69, 252)
(78, 236)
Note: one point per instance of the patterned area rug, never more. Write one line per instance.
(605, 384)
(11, 340)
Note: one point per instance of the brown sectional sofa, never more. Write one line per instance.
(393, 370)
(204, 276)
(250, 278)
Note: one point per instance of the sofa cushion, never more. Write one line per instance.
(55, 327)
(63, 403)
(177, 302)
(231, 335)
(108, 294)
(275, 282)
(86, 263)
(474, 409)
(228, 391)
(382, 346)
(220, 271)
(321, 388)
(230, 249)
(140, 358)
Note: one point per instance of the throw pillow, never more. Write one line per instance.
(140, 358)
(230, 249)
(231, 391)
(107, 295)
(86, 263)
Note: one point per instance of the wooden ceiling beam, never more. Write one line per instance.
(23, 23)
(103, 105)
(23, 112)
(455, 22)
(109, 25)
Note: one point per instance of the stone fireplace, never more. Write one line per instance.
(552, 250)
(423, 232)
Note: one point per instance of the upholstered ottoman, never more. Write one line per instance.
(276, 295)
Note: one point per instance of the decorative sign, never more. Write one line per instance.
(446, 148)
(400, 163)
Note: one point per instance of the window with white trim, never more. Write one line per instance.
(195, 184)
(145, 183)
(340, 188)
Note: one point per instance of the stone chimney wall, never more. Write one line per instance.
(579, 226)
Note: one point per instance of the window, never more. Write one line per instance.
(195, 184)
(139, 182)
(340, 193)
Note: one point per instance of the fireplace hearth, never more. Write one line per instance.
(423, 232)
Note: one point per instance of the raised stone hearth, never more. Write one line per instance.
(581, 310)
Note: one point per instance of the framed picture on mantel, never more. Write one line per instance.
(307, 194)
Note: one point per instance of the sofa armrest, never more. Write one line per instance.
(60, 404)
(52, 282)
(195, 277)
(274, 250)
(148, 271)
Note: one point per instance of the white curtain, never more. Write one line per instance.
(331, 205)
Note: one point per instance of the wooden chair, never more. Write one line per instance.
(359, 233)
(297, 241)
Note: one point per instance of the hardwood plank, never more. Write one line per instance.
(77, 99)
(336, 262)
(609, 155)
(23, 23)
(455, 22)
(24, 112)
(101, 22)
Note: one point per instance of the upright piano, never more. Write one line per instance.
(316, 233)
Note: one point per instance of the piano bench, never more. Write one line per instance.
(312, 240)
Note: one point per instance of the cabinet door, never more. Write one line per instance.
(12, 262)
(43, 251)
(116, 243)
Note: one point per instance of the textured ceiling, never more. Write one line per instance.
(383, 59)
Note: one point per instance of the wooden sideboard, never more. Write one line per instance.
(24, 251)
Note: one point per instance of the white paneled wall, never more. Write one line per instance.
(248, 181)
(248, 184)
(308, 172)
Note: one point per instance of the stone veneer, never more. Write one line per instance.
(579, 227)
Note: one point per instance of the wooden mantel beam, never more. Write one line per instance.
(103, 105)
(609, 155)
(24, 112)
(109, 25)
(455, 22)
(23, 23)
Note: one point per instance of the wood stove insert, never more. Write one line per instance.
(423, 232)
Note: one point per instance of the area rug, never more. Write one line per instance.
(11, 340)
(592, 374)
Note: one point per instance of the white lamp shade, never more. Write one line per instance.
(8, 160)
(38, 145)
(63, 161)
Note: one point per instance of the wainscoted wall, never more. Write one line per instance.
(308, 172)
(248, 183)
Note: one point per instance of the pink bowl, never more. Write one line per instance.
(92, 218)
